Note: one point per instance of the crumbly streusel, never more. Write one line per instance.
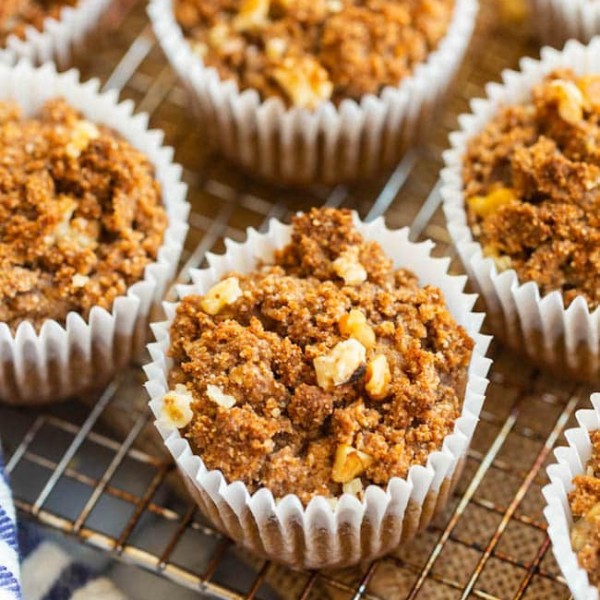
(17, 15)
(310, 51)
(80, 214)
(585, 506)
(532, 183)
(324, 372)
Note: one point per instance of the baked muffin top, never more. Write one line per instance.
(532, 187)
(311, 51)
(323, 372)
(80, 214)
(585, 506)
(16, 15)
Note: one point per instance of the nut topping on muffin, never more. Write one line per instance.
(329, 384)
(531, 180)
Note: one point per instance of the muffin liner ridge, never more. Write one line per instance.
(320, 536)
(556, 21)
(330, 144)
(58, 37)
(566, 339)
(571, 461)
(61, 361)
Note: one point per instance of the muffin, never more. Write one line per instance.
(46, 30)
(573, 502)
(314, 91)
(87, 232)
(330, 371)
(17, 15)
(556, 21)
(523, 207)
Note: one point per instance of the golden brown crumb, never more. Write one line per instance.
(309, 51)
(532, 180)
(303, 420)
(585, 506)
(80, 215)
(17, 15)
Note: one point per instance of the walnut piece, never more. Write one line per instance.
(569, 99)
(378, 377)
(483, 206)
(354, 487)
(176, 407)
(219, 397)
(253, 14)
(304, 81)
(348, 267)
(354, 325)
(221, 295)
(83, 133)
(340, 365)
(349, 463)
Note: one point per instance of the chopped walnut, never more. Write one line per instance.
(341, 365)
(304, 81)
(354, 324)
(83, 133)
(569, 99)
(378, 377)
(252, 14)
(221, 295)
(176, 407)
(354, 487)
(219, 397)
(348, 267)
(349, 463)
(79, 280)
(483, 206)
(590, 88)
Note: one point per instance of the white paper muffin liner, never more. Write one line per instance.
(318, 536)
(330, 144)
(556, 21)
(58, 38)
(571, 461)
(62, 361)
(567, 340)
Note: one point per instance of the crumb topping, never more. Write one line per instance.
(310, 51)
(17, 15)
(80, 214)
(585, 506)
(531, 180)
(333, 386)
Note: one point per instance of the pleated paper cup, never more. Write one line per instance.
(571, 461)
(63, 360)
(330, 144)
(58, 38)
(318, 535)
(556, 21)
(566, 340)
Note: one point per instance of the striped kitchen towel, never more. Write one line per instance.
(32, 568)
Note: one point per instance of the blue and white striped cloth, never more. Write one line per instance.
(32, 568)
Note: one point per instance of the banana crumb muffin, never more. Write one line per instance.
(585, 506)
(321, 373)
(532, 187)
(80, 214)
(310, 51)
(17, 15)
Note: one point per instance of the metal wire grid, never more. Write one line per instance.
(490, 543)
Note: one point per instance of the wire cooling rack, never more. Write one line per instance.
(93, 469)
